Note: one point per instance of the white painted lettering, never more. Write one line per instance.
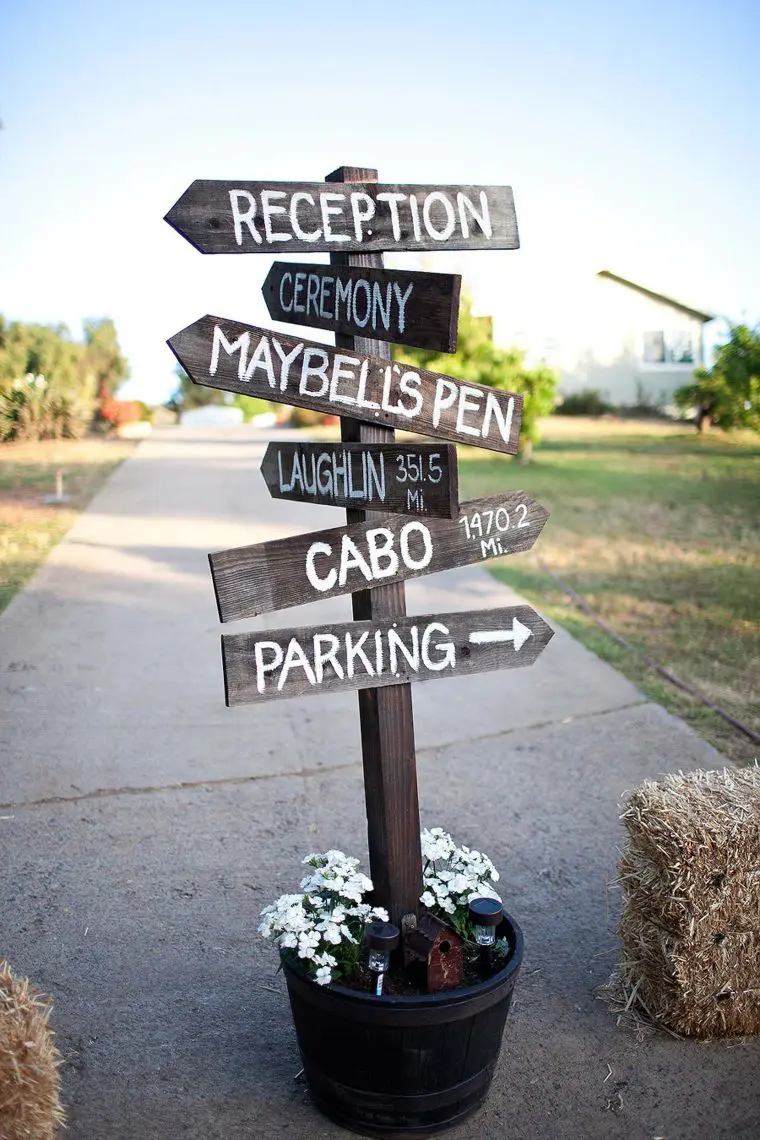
(324, 296)
(300, 278)
(343, 293)
(362, 284)
(402, 300)
(412, 654)
(393, 201)
(295, 658)
(467, 405)
(361, 400)
(312, 293)
(261, 357)
(414, 207)
(448, 660)
(448, 229)
(326, 656)
(268, 209)
(427, 546)
(247, 216)
(339, 373)
(377, 305)
(325, 199)
(380, 547)
(263, 667)
(503, 418)
(329, 580)
(308, 370)
(409, 386)
(286, 359)
(483, 218)
(301, 234)
(445, 395)
(354, 650)
(285, 277)
(363, 209)
(351, 558)
(240, 345)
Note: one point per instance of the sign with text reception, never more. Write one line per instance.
(258, 362)
(285, 572)
(271, 665)
(411, 478)
(342, 217)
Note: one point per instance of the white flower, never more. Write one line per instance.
(323, 976)
(428, 898)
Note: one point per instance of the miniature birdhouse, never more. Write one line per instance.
(436, 950)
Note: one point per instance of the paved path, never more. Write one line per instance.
(143, 826)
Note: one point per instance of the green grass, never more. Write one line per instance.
(30, 528)
(659, 530)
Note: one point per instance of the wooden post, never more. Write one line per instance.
(387, 726)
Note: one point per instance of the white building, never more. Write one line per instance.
(604, 332)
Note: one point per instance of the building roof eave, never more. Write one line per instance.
(697, 314)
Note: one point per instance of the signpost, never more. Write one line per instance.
(363, 216)
(258, 362)
(252, 580)
(420, 527)
(272, 665)
(421, 309)
(410, 478)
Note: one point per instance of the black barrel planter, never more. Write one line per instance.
(402, 1066)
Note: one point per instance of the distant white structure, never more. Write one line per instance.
(630, 343)
(212, 415)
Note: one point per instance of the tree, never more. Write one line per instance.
(478, 359)
(103, 357)
(728, 394)
(189, 395)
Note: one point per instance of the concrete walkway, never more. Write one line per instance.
(143, 826)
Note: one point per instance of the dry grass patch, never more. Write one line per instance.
(659, 531)
(30, 528)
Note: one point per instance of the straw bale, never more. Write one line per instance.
(690, 880)
(29, 1079)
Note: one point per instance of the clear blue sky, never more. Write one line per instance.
(629, 132)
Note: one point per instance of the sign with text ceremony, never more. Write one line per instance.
(287, 217)
(242, 358)
(403, 478)
(252, 580)
(421, 309)
(273, 664)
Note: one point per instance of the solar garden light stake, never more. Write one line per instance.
(486, 915)
(381, 939)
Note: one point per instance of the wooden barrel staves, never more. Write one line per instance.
(402, 1066)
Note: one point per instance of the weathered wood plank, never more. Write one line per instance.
(270, 576)
(410, 478)
(386, 718)
(416, 308)
(242, 358)
(219, 216)
(274, 665)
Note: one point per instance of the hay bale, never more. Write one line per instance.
(690, 880)
(29, 1080)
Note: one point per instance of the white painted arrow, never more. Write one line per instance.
(519, 634)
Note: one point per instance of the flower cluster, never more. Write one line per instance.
(324, 925)
(452, 876)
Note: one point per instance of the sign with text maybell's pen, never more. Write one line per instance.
(412, 478)
(270, 665)
(315, 217)
(420, 309)
(257, 362)
(270, 576)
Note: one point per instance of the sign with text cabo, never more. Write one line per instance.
(287, 217)
(410, 478)
(421, 309)
(252, 580)
(257, 362)
(268, 665)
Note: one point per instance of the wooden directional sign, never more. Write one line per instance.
(390, 304)
(270, 576)
(257, 362)
(268, 665)
(288, 217)
(407, 479)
